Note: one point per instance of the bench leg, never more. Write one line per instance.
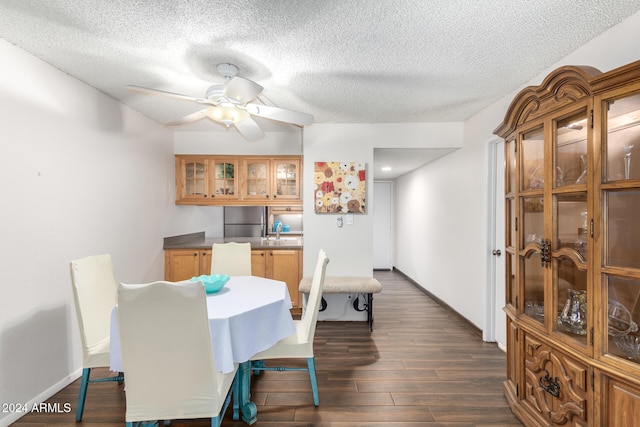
(370, 311)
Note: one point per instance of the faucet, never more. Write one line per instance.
(278, 229)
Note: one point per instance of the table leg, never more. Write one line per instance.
(248, 408)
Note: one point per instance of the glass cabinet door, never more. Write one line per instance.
(223, 179)
(570, 238)
(620, 218)
(257, 179)
(511, 222)
(532, 235)
(194, 177)
(286, 179)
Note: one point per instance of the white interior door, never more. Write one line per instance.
(496, 328)
(382, 225)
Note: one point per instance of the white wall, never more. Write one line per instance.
(350, 248)
(80, 174)
(442, 242)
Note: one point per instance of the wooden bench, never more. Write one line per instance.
(348, 285)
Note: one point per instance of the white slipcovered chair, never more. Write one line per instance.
(167, 354)
(231, 258)
(94, 293)
(300, 344)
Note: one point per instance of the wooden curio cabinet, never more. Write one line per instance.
(573, 248)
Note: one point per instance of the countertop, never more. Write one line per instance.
(199, 241)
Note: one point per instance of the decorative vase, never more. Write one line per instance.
(574, 314)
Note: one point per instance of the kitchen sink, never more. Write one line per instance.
(283, 239)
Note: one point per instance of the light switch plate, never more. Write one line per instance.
(349, 219)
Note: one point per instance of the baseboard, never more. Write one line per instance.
(441, 303)
(42, 397)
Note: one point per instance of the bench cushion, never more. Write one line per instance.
(339, 285)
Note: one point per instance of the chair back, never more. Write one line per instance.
(310, 316)
(167, 355)
(231, 258)
(95, 294)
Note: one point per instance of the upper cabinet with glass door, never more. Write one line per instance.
(271, 179)
(286, 178)
(205, 179)
(238, 180)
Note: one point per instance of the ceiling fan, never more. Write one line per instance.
(230, 104)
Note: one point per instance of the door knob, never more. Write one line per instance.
(496, 252)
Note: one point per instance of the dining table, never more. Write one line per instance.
(248, 315)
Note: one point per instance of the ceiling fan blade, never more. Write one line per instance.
(280, 114)
(249, 129)
(164, 93)
(242, 90)
(190, 118)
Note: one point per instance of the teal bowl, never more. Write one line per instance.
(212, 283)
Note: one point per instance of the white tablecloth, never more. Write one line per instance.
(247, 316)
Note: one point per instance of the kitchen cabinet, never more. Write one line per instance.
(206, 179)
(572, 196)
(183, 264)
(271, 179)
(238, 180)
(280, 264)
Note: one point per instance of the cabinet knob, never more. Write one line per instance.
(195, 254)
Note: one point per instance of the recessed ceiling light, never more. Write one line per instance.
(386, 168)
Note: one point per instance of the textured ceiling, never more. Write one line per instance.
(356, 61)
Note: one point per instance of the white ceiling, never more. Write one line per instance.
(356, 61)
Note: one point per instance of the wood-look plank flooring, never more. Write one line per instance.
(421, 367)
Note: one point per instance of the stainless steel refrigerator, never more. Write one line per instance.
(245, 221)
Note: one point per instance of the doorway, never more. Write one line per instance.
(383, 225)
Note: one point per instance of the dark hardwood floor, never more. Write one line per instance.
(421, 367)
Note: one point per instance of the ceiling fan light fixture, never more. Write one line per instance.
(226, 115)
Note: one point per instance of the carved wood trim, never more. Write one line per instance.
(559, 89)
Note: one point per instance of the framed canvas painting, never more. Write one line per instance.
(340, 187)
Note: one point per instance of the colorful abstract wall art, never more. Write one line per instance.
(340, 187)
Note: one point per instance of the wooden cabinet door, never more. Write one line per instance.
(285, 175)
(258, 263)
(223, 179)
(256, 182)
(622, 407)
(205, 263)
(556, 386)
(181, 264)
(192, 179)
(284, 265)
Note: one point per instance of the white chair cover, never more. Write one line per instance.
(231, 258)
(167, 354)
(300, 344)
(95, 294)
